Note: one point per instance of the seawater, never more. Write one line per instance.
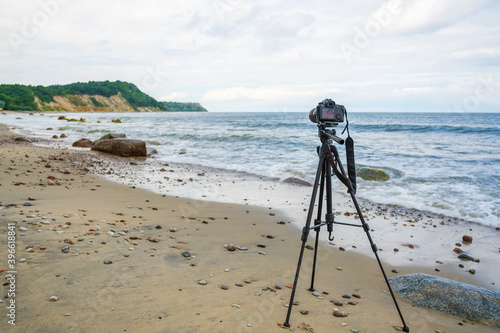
(444, 163)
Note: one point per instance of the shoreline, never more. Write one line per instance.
(154, 285)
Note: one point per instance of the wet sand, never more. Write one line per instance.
(124, 268)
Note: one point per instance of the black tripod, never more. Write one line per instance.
(329, 158)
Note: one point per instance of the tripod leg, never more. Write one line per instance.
(375, 250)
(305, 234)
(317, 221)
(372, 244)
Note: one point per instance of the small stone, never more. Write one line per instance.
(356, 295)
(315, 293)
(65, 249)
(472, 271)
(248, 280)
(53, 298)
(337, 303)
(186, 254)
(309, 247)
(341, 248)
(202, 282)
(27, 204)
(235, 306)
(458, 250)
(354, 330)
(466, 239)
(261, 245)
(223, 287)
(158, 227)
(107, 262)
(339, 268)
(231, 248)
(173, 229)
(249, 325)
(277, 286)
(346, 296)
(304, 312)
(352, 303)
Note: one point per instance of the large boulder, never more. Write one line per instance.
(455, 298)
(83, 143)
(122, 147)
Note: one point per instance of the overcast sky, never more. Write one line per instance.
(235, 55)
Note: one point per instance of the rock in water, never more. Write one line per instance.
(122, 147)
(84, 143)
(373, 174)
(113, 136)
(456, 298)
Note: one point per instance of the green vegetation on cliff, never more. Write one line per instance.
(177, 106)
(19, 97)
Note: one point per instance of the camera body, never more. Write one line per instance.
(328, 113)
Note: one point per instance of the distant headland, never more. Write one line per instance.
(93, 96)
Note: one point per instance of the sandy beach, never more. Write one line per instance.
(93, 255)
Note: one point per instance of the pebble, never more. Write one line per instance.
(65, 249)
(186, 254)
(67, 314)
(315, 293)
(340, 313)
(249, 325)
(309, 247)
(354, 330)
(261, 245)
(304, 312)
(107, 262)
(235, 306)
(202, 282)
(346, 296)
(338, 303)
(248, 280)
(231, 248)
(223, 287)
(53, 298)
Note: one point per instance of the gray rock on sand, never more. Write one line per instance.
(122, 147)
(455, 298)
(297, 181)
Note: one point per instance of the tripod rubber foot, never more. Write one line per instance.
(406, 329)
(286, 324)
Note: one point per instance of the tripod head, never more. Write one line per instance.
(328, 135)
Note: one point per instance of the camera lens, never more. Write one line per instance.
(313, 115)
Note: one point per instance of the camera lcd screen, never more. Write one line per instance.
(329, 114)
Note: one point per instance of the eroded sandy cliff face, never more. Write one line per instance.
(90, 103)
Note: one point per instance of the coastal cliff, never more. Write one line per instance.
(93, 96)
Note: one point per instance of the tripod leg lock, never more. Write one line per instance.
(305, 234)
(366, 228)
(374, 248)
